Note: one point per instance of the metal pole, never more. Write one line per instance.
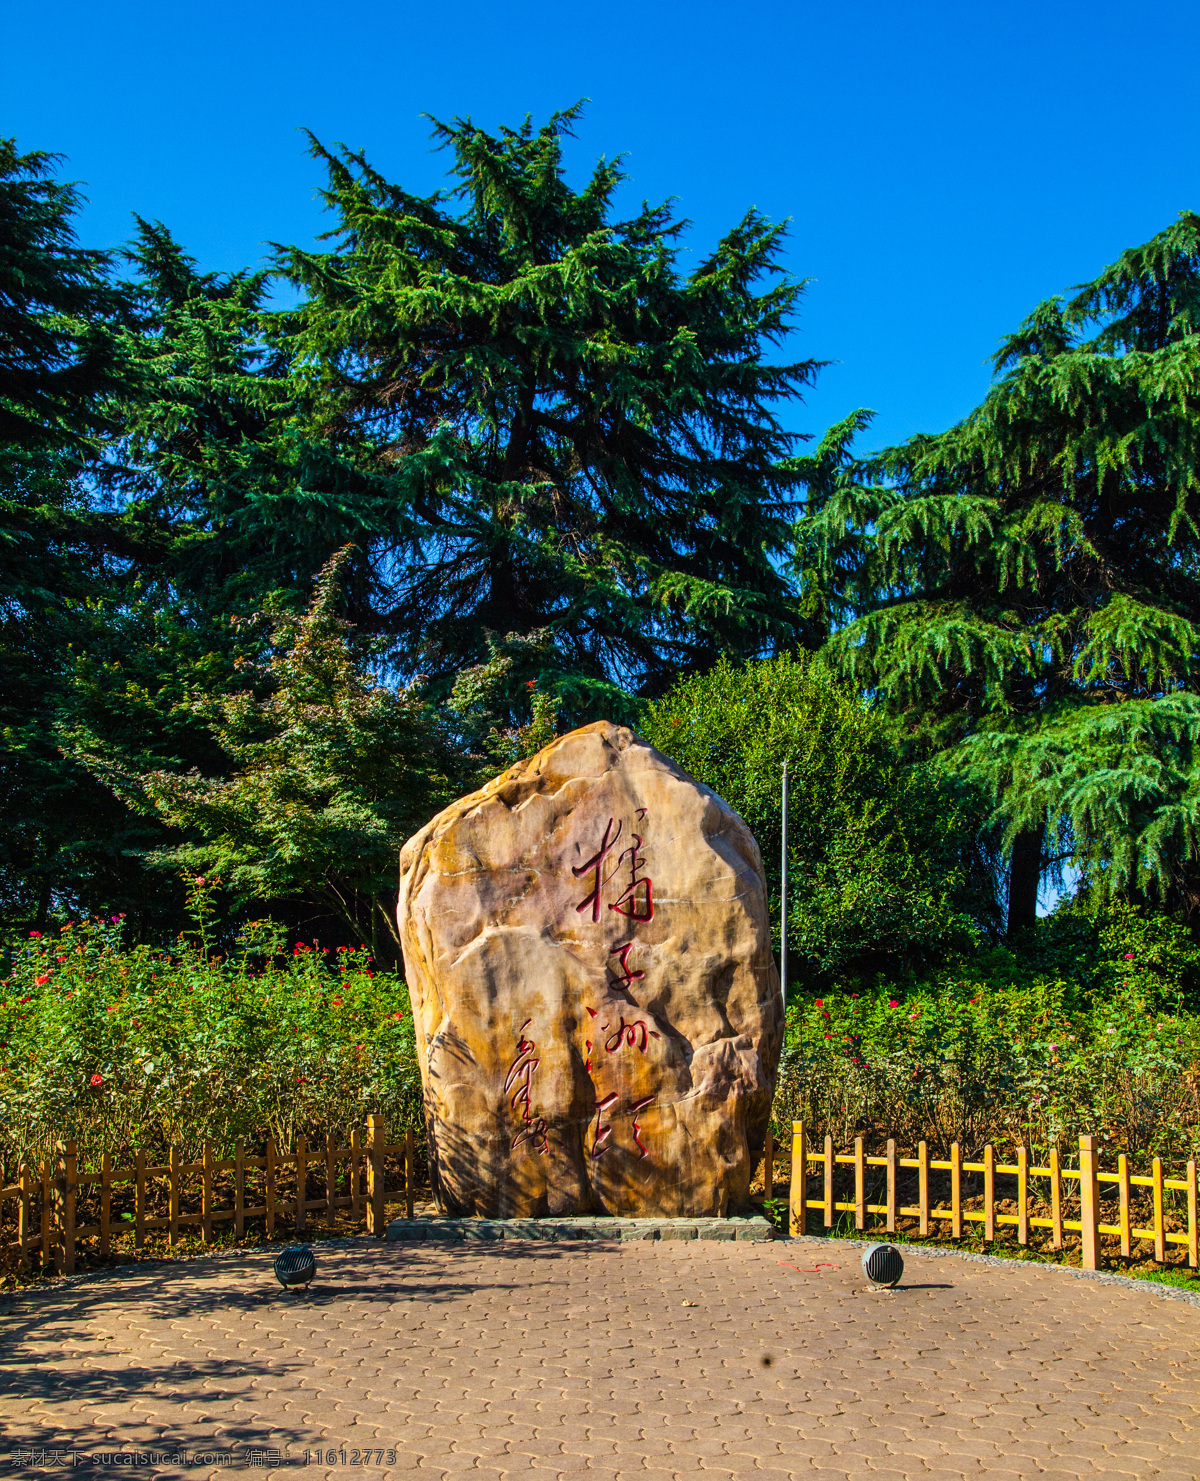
(783, 895)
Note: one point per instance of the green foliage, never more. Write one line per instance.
(58, 352)
(882, 870)
(1093, 1026)
(522, 412)
(132, 1047)
(1024, 586)
(63, 364)
(576, 438)
(481, 703)
(329, 771)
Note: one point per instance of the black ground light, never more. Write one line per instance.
(296, 1266)
(882, 1264)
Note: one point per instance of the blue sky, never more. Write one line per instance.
(944, 166)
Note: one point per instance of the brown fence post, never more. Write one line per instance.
(956, 1219)
(1089, 1203)
(239, 1189)
(989, 1194)
(330, 1181)
(893, 1169)
(139, 1200)
(798, 1191)
(923, 1185)
(410, 1171)
(24, 1210)
(301, 1181)
(375, 1195)
(1056, 1232)
(269, 1195)
(70, 1168)
(1123, 1191)
(47, 1237)
(1022, 1194)
(174, 1178)
(105, 1204)
(355, 1164)
(1160, 1228)
(206, 1193)
(768, 1167)
(1193, 1221)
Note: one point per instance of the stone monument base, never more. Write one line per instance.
(580, 1226)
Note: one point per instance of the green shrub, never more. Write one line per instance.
(1093, 1028)
(122, 1048)
(883, 869)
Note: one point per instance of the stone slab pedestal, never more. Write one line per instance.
(456, 1231)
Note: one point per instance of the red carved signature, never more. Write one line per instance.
(520, 1075)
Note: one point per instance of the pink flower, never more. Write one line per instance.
(1129, 956)
(1052, 1047)
(111, 1009)
(829, 1036)
(97, 1081)
(397, 1015)
(820, 1002)
(43, 979)
(892, 1003)
(199, 881)
(35, 935)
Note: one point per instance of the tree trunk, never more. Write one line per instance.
(1024, 876)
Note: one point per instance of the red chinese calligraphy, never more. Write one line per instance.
(596, 865)
(635, 902)
(628, 902)
(600, 1140)
(628, 1033)
(628, 973)
(636, 1110)
(520, 1081)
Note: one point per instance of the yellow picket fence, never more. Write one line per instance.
(199, 1195)
(1053, 1188)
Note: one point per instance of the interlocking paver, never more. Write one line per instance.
(502, 1360)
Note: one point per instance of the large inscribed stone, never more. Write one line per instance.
(597, 1007)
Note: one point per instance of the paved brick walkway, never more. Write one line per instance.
(643, 1360)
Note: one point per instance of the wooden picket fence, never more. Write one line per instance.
(1060, 1186)
(47, 1196)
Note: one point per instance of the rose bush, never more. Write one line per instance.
(1093, 1028)
(132, 1047)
